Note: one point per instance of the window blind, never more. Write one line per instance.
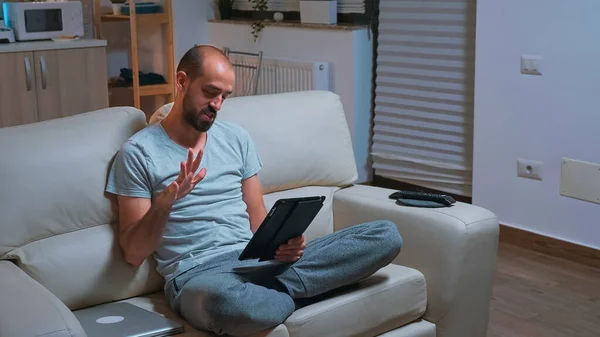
(423, 123)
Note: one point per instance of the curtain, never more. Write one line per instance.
(423, 107)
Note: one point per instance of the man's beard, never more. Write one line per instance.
(193, 118)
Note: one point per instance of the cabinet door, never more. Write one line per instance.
(18, 103)
(70, 81)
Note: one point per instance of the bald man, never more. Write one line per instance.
(189, 195)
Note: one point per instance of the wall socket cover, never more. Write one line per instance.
(580, 180)
(530, 169)
(530, 64)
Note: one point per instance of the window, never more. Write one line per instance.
(423, 113)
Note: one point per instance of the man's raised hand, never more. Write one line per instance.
(186, 180)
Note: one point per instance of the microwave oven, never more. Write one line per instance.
(43, 20)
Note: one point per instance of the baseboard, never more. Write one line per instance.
(550, 246)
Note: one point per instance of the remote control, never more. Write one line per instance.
(441, 198)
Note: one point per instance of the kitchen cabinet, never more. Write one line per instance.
(47, 80)
(18, 101)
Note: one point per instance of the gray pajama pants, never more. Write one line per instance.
(218, 297)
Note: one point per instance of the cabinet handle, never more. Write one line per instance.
(28, 78)
(44, 72)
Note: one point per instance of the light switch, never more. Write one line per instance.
(530, 65)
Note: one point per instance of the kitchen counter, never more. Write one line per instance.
(295, 24)
(50, 45)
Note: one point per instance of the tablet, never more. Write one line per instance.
(287, 219)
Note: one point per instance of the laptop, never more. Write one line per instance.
(122, 319)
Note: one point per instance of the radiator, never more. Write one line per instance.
(279, 75)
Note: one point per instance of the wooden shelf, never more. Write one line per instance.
(150, 90)
(160, 18)
(135, 20)
(156, 89)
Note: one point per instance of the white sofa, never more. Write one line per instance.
(59, 253)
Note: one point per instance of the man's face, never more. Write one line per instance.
(204, 96)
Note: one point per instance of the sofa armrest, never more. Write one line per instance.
(455, 248)
(27, 309)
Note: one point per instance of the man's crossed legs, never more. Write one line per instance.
(214, 297)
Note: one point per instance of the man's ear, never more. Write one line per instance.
(181, 81)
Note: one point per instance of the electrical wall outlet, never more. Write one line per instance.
(580, 180)
(530, 65)
(529, 169)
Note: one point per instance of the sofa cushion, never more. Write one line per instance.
(29, 310)
(156, 303)
(54, 173)
(53, 176)
(86, 267)
(418, 328)
(323, 222)
(302, 137)
(392, 297)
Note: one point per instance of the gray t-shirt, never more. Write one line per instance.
(212, 218)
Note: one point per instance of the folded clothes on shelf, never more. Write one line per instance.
(126, 78)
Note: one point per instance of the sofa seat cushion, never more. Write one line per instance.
(418, 328)
(156, 303)
(390, 298)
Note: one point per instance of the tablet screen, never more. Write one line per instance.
(287, 218)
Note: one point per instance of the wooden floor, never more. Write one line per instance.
(541, 296)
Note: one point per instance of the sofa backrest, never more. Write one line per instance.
(56, 221)
(302, 137)
(60, 227)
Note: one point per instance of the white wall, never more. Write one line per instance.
(190, 24)
(349, 52)
(541, 118)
